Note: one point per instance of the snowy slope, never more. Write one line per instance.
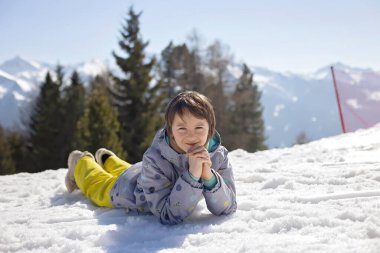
(319, 197)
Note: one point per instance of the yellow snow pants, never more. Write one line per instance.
(95, 182)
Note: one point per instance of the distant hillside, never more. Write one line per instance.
(20, 80)
(293, 103)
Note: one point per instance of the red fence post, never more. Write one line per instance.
(338, 100)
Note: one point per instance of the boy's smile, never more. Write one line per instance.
(188, 131)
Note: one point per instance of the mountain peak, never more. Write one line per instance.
(340, 66)
(19, 64)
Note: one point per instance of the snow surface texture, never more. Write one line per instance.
(319, 197)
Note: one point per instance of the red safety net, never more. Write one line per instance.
(359, 95)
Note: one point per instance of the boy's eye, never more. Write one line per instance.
(199, 127)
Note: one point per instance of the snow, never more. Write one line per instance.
(8, 81)
(354, 103)
(92, 68)
(375, 96)
(320, 197)
(278, 109)
(18, 64)
(18, 96)
(2, 92)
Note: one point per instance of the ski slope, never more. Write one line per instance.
(320, 197)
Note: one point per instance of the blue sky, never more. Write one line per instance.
(285, 35)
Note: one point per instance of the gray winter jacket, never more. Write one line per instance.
(161, 183)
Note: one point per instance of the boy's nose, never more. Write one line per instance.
(191, 135)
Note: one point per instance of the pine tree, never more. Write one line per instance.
(174, 71)
(167, 71)
(73, 107)
(17, 141)
(45, 126)
(98, 126)
(137, 99)
(247, 125)
(218, 58)
(183, 67)
(195, 72)
(301, 139)
(219, 102)
(7, 164)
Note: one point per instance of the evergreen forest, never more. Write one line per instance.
(123, 111)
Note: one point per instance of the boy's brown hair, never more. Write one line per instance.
(195, 103)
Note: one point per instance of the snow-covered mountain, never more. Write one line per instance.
(20, 80)
(319, 197)
(293, 103)
(305, 103)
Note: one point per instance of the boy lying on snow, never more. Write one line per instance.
(185, 161)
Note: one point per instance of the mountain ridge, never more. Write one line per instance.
(293, 103)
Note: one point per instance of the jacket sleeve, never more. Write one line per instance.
(170, 201)
(221, 200)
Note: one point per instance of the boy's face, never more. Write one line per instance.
(188, 131)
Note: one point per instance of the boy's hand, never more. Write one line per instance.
(199, 162)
